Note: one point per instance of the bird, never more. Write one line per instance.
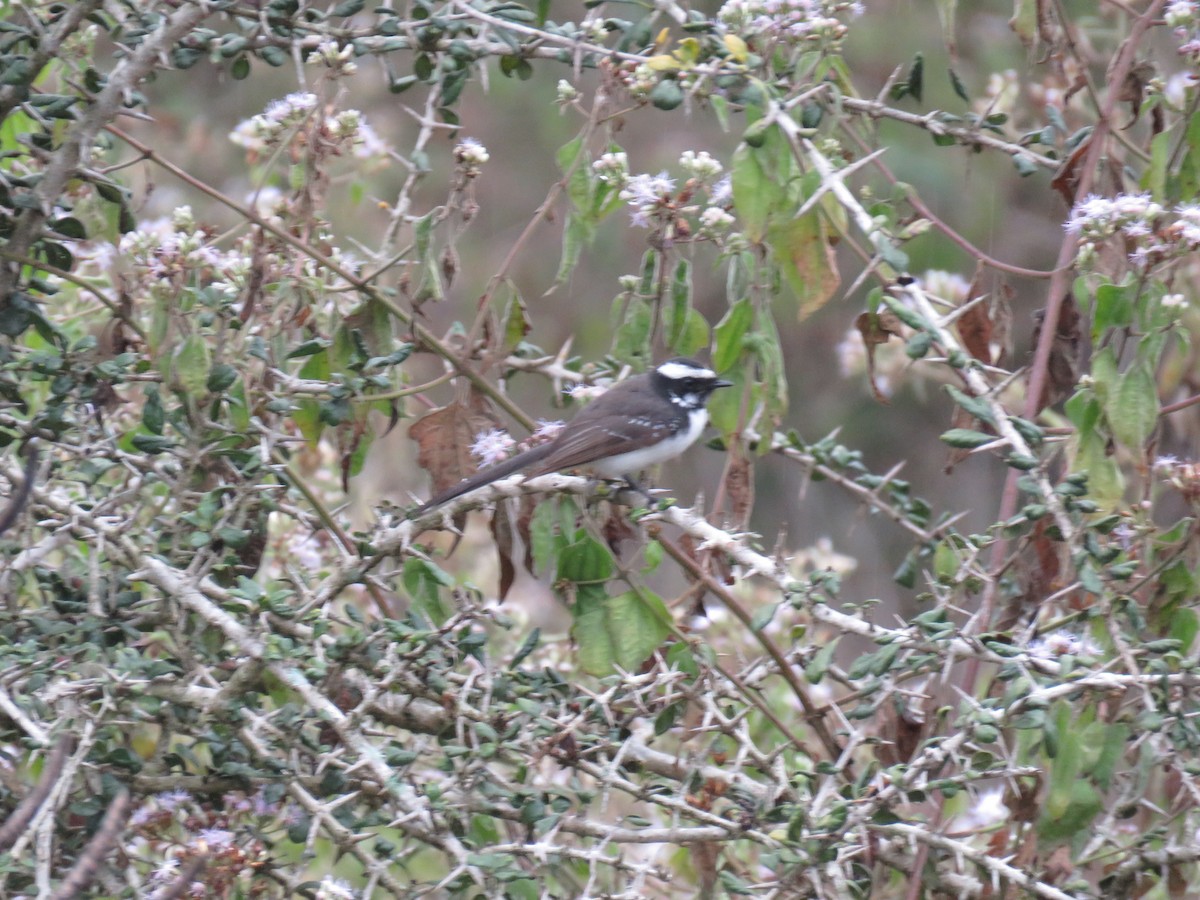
(637, 423)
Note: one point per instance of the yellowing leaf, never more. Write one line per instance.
(688, 52)
(807, 260)
(737, 47)
(663, 62)
(661, 40)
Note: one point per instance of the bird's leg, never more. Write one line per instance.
(637, 488)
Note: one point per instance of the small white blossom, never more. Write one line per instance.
(792, 21)
(328, 54)
(1174, 301)
(548, 429)
(492, 446)
(263, 130)
(213, 839)
(986, 809)
(1180, 14)
(585, 392)
(471, 155)
(715, 219)
(646, 194)
(700, 165)
(721, 193)
(612, 167)
(166, 870)
(1062, 643)
(172, 800)
(565, 91)
(332, 888)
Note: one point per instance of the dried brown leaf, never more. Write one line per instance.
(1066, 179)
(876, 328)
(901, 728)
(502, 534)
(444, 438)
(739, 486)
(1063, 368)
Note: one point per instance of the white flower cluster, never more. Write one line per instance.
(1062, 643)
(163, 249)
(492, 446)
(471, 155)
(791, 21)
(700, 166)
(1183, 17)
(648, 194)
(265, 129)
(332, 888)
(612, 168)
(565, 92)
(653, 197)
(338, 59)
(1184, 474)
(344, 130)
(1139, 220)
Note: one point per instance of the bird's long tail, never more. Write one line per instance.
(524, 460)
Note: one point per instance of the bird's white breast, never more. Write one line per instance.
(668, 448)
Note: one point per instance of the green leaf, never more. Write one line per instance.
(153, 415)
(976, 406)
(423, 581)
(576, 233)
(667, 94)
(220, 377)
(820, 663)
(307, 414)
(959, 87)
(675, 316)
(631, 343)
(190, 364)
(586, 561)
(965, 439)
(754, 193)
(547, 533)
(620, 631)
(1106, 484)
(152, 444)
(730, 334)
(768, 350)
(515, 320)
(1133, 406)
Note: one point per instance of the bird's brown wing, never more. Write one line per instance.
(599, 437)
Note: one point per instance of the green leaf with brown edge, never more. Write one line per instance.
(618, 632)
(768, 349)
(515, 323)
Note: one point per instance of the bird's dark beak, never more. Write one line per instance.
(721, 382)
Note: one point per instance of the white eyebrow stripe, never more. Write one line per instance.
(674, 370)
